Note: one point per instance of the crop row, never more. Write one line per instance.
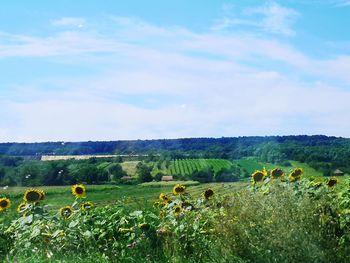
(188, 166)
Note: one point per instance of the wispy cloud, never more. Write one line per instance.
(271, 18)
(341, 3)
(276, 18)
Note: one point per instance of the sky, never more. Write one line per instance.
(113, 70)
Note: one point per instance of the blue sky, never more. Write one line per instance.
(108, 70)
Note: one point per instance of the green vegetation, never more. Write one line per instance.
(251, 164)
(19, 172)
(170, 184)
(130, 167)
(273, 220)
(325, 154)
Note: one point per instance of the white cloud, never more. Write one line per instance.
(159, 82)
(69, 21)
(271, 18)
(276, 18)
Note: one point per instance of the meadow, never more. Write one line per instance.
(135, 196)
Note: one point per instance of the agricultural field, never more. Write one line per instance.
(188, 166)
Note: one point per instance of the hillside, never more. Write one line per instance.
(323, 153)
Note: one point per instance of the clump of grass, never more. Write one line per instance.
(280, 224)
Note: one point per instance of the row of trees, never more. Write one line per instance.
(65, 172)
(321, 152)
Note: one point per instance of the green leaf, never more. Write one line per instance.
(73, 224)
(87, 234)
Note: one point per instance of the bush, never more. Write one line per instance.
(204, 175)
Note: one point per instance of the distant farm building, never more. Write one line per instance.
(338, 172)
(167, 178)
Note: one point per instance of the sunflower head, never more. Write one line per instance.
(87, 206)
(258, 176)
(179, 189)
(5, 203)
(277, 173)
(42, 194)
(296, 174)
(78, 190)
(22, 207)
(33, 195)
(177, 209)
(66, 212)
(294, 179)
(265, 172)
(317, 184)
(163, 197)
(332, 182)
(208, 193)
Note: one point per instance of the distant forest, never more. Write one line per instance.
(321, 152)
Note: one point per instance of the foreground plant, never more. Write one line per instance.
(5, 204)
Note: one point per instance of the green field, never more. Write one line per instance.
(135, 196)
(188, 166)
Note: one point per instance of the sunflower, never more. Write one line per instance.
(208, 193)
(164, 197)
(258, 176)
(179, 189)
(33, 195)
(22, 207)
(317, 184)
(332, 182)
(66, 212)
(42, 194)
(177, 209)
(5, 203)
(78, 190)
(265, 172)
(87, 206)
(296, 174)
(277, 173)
(294, 179)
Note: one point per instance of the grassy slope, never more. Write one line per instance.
(139, 196)
(136, 196)
(130, 167)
